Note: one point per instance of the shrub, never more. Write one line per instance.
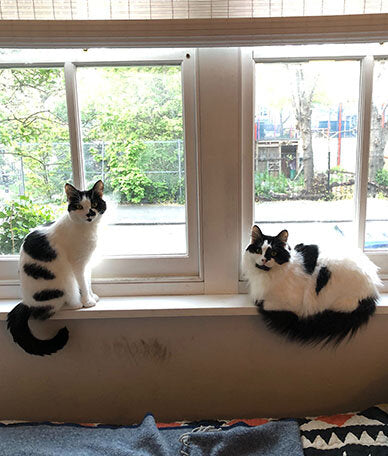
(16, 220)
(142, 172)
(382, 177)
(268, 186)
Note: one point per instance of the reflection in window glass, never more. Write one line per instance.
(376, 233)
(305, 148)
(34, 151)
(133, 140)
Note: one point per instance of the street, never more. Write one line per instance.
(161, 229)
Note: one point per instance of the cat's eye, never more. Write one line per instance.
(94, 205)
(79, 206)
(258, 250)
(273, 253)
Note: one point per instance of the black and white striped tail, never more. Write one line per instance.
(328, 326)
(18, 325)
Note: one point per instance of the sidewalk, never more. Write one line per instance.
(130, 228)
(274, 211)
(322, 211)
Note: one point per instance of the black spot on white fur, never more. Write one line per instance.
(328, 326)
(38, 247)
(310, 256)
(254, 248)
(42, 312)
(263, 267)
(323, 277)
(17, 323)
(47, 295)
(37, 271)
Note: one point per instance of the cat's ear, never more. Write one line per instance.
(98, 188)
(71, 192)
(283, 236)
(256, 234)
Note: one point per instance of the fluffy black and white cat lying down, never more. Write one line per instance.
(53, 269)
(308, 295)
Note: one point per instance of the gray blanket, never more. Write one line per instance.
(277, 438)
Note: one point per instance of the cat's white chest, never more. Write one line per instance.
(75, 241)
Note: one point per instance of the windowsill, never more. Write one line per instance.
(165, 306)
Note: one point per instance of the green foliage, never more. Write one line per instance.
(138, 118)
(338, 174)
(34, 135)
(132, 130)
(382, 177)
(125, 176)
(16, 220)
(266, 185)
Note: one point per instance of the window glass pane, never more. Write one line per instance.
(305, 148)
(133, 140)
(34, 151)
(376, 233)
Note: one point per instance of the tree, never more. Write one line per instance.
(137, 105)
(122, 108)
(303, 87)
(378, 141)
(33, 125)
(379, 124)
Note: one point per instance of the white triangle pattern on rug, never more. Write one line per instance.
(360, 420)
(356, 420)
(316, 425)
(335, 442)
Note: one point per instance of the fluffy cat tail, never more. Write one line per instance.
(328, 327)
(18, 326)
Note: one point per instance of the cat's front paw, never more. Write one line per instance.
(89, 302)
(95, 297)
(74, 305)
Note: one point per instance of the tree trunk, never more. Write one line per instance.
(307, 148)
(378, 141)
(302, 100)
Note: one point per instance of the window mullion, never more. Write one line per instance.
(247, 146)
(190, 147)
(362, 170)
(75, 130)
(220, 133)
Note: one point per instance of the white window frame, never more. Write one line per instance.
(254, 55)
(224, 82)
(132, 274)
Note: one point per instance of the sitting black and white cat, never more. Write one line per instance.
(53, 268)
(308, 295)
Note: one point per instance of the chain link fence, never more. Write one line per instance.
(40, 170)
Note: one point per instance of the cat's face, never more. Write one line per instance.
(85, 206)
(268, 251)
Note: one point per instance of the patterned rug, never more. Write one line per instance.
(350, 434)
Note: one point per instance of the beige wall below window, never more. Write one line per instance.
(115, 371)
